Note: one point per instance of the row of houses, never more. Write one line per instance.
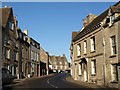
(59, 64)
(95, 49)
(19, 51)
(21, 54)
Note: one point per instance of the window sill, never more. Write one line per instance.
(7, 58)
(113, 81)
(85, 53)
(112, 56)
(93, 51)
(93, 74)
(78, 56)
(11, 29)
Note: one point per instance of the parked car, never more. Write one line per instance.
(7, 77)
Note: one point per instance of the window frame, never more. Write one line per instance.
(113, 45)
(85, 47)
(93, 44)
(114, 73)
(80, 68)
(7, 53)
(93, 67)
(11, 25)
(78, 50)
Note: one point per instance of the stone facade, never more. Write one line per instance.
(95, 49)
(44, 59)
(9, 44)
(35, 57)
(58, 64)
(24, 54)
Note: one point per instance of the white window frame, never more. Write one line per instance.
(113, 45)
(85, 47)
(93, 67)
(114, 76)
(78, 49)
(7, 53)
(80, 68)
(16, 55)
(93, 46)
(60, 63)
(11, 25)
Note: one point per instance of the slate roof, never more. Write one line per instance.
(57, 60)
(5, 12)
(96, 21)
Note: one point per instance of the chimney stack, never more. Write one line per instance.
(88, 19)
(26, 31)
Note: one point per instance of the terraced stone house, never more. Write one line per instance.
(9, 44)
(58, 64)
(95, 49)
(44, 61)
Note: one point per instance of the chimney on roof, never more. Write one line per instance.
(26, 31)
(88, 19)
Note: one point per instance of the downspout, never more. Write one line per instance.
(103, 43)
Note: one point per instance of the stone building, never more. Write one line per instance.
(58, 64)
(95, 49)
(35, 57)
(44, 60)
(24, 54)
(9, 44)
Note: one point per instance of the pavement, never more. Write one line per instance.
(54, 81)
(87, 84)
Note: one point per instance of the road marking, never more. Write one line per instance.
(50, 83)
(53, 86)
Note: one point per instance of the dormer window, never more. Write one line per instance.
(11, 25)
(112, 18)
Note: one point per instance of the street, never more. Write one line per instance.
(50, 81)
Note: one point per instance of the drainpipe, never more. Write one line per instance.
(104, 68)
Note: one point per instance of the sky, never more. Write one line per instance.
(52, 23)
